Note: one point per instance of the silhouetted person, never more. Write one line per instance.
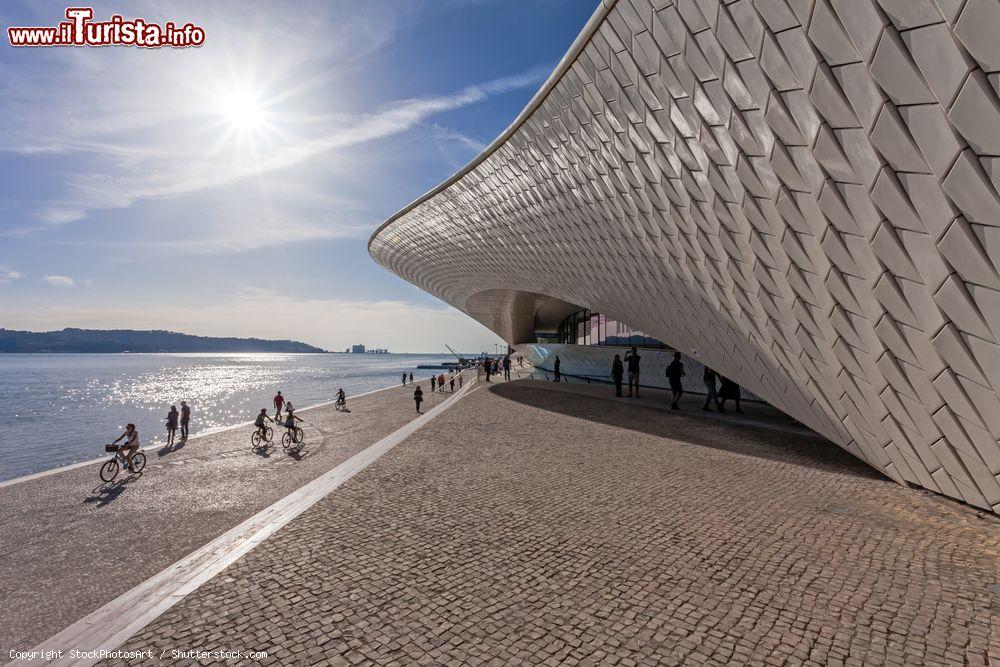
(418, 396)
(451, 383)
(675, 371)
(555, 367)
(185, 419)
(506, 367)
(488, 367)
(433, 383)
(710, 393)
(459, 380)
(729, 390)
(404, 379)
(411, 378)
(279, 401)
(617, 372)
(632, 359)
(172, 418)
(441, 381)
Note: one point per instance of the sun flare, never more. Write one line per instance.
(243, 111)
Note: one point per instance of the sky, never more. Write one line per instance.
(230, 189)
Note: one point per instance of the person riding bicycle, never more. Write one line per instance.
(290, 418)
(259, 422)
(131, 436)
(341, 398)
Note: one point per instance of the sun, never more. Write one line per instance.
(243, 111)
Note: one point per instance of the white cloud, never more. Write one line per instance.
(59, 281)
(333, 324)
(7, 274)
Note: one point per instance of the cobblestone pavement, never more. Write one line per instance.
(541, 527)
(72, 543)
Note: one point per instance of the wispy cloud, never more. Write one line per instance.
(8, 274)
(60, 281)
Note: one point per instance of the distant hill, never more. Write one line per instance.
(125, 340)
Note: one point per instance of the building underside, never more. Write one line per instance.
(801, 194)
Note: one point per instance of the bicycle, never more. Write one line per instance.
(256, 438)
(110, 468)
(341, 405)
(292, 438)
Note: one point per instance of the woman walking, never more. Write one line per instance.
(418, 397)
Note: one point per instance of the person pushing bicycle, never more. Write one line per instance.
(341, 398)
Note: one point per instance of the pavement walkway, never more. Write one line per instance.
(533, 526)
(73, 543)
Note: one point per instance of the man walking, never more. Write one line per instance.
(433, 383)
(279, 402)
(617, 371)
(675, 371)
(555, 367)
(404, 378)
(506, 367)
(632, 359)
(711, 395)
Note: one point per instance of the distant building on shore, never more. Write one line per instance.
(361, 349)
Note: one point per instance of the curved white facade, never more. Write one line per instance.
(802, 194)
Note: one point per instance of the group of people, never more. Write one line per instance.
(728, 390)
(175, 418)
(496, 366)
(437, 384)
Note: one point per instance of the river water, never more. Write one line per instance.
(62, 408)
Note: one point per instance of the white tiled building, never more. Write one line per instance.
(803, 194)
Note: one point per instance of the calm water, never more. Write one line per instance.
(62, 408)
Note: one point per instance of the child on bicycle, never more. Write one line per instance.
(259, 422)
(341, 398)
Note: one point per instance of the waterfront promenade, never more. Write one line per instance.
(73, 543)
(539, 523)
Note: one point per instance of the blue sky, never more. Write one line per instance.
(231, 189)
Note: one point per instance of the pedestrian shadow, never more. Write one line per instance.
(170, 449)
(759, 442)
(107, 492)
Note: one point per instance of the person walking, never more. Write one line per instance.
(441, 381)
(632, 359)
(555, 367)
(404, 379)
(172, 418)
(411, 378)
(729, 390)
(711, 395)
(279, 402)
(459, 380)
(487, 366)
(675, 371)
(185, 419)
(506, 367)
(451, 384)
(418, 396)
(617, 372)
(433, 383)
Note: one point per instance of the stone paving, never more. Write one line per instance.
(540, 527)
(72, 543)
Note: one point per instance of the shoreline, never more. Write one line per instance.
(214, 431)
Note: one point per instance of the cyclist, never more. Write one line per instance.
(131, 436)
(259, 422)
(290, 419)
(341, 398)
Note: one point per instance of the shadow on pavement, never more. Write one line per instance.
(694, 430)
(106, 493)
